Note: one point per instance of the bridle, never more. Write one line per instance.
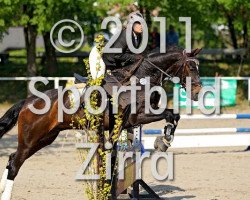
(182, 69)
(182, 82)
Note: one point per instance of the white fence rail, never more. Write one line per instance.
(55, 79)
(58, 79)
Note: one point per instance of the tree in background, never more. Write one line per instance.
(207, 14)
(38, 17)
(50, 12)
(236, 13)
(22, 13)
(6, 17)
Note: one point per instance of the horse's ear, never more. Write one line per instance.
(194, 52)
(198, 51)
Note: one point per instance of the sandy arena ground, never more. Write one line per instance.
(205, 173)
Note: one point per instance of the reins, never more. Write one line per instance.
(182, 66)
(169, 76)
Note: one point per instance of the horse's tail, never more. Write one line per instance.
(8, 121)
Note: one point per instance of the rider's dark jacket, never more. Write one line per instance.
(117, 60)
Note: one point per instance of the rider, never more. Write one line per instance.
(117, 60)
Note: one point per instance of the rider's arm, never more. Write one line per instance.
(122, 43)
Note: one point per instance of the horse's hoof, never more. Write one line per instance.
(160, 145)
(108, 145)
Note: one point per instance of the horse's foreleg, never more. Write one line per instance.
(142, 118)
(162, 142)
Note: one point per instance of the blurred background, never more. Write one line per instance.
(220, 27)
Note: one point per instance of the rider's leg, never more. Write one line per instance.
(142, 118)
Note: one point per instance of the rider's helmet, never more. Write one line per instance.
(135, 17)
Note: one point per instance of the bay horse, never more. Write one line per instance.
(37, 131)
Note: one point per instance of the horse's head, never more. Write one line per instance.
(187, 66)
(175, 63)
(191, 69)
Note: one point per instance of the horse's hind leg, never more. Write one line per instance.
(17, 159)
(4, 177)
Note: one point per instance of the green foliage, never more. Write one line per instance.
(89, 13)
(44, 13)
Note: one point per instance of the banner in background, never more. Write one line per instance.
(228, 94)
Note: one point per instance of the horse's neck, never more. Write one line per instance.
(120, 73)
(144, 70)
(163, 61)
(149, 71)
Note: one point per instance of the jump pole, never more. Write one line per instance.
(205, 137)
(222, 116)
(199, 131)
